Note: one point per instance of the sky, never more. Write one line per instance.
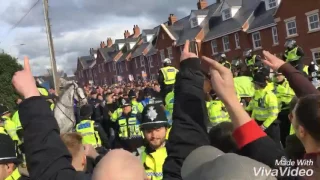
(77, 26)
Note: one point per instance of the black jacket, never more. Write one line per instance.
(97, 109)
(189, 124)
(46, 155)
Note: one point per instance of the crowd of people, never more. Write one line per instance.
(188, 125)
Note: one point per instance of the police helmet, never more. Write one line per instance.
(3, 109)
(167, 61)
(131, 94)
(247, 53)
(153, 117)
(125, 102)
(290, 43)
(86, 111)
(223, 56)
(259, 78)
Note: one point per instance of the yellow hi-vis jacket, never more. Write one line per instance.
(284, 94)
(264, 106)
(16, 120)
(89, 135)
(244, 86)
(169, 74)
(11, 129)
(169, 102)
(15, 175)
(129, 127)
(291, 55)
(153, 162)
(216, 113)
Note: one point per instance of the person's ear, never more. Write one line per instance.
(302, 132)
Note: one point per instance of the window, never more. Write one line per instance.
(226, 14)
(135, 61)
(170, 53)
(275, 35)
(214, 47)
(316, 54)
(114, 66)
(237, 40)
(126, 63)
(272, 4)
(313, 21)
(291, 28)
(226, 45)
(120, 67)
(99, 68)
(109, 65)
(162, 57)
(256, 40)
(194, 22)
(142, 61)
(150, 62)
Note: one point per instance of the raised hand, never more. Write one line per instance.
(24, 82)
(272, 61)
(186, 54)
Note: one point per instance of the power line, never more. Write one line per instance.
(22, 18)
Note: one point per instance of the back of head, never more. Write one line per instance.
(119, 165)
(221, 137)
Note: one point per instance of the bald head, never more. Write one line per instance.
(119, 165)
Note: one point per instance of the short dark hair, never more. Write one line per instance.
(308, 114)
(293, 103)
(221, 137)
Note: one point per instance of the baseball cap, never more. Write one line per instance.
(8, 150)
(208, 162)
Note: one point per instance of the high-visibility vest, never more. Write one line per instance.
(264, 106)
(284, 93)
(52, 106)
(252, 61)
(11, 129)
(292, 131)
(292, 55)
(129, 128)
(134, 106)
(244, 86)
(15, 175)
(153, 162)
(43, 91)
(169, 74)
(3, 131)
(169, 101)
(89, 134)
(16, 120)
(305, 69)
(216, 113)
(168, 132)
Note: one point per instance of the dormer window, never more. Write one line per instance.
(194, 22)
(272, 3)
(226, 14)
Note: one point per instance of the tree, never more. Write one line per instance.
(8, 66)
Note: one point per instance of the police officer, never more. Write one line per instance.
(91, 131)
(253, 62)
(293, 54)
(169, 102)
(167, 77)
(264, 107)
(154, 126)
(284, 94)
(8, 160)
(148, 99)
(127, 128)
(43, 91)
(133, 98)
(216, 110)
(223, 60)
(9, 125)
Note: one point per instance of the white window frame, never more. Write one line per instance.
(275, 36)
(311, 14)
(142, 63)
(288, 21)
(214, 46)
(150, 62)
(272, 2)
(135, 61)
(194, 22)
(170, 55)
(162, 55)
(314, 52)
(225, 13)
(237, 40)
(256, 40)
(226, 42)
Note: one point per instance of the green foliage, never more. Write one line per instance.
(8, 66)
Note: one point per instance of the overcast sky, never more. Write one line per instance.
(78, 25)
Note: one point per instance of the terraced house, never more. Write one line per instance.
(227, 26)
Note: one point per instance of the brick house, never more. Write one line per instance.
(227, 26)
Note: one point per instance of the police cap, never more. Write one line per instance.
(86, 111)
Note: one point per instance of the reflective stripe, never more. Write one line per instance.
(156, 174)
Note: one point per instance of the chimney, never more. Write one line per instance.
(172, 19)
(202, 4)
(136, 30)
(109, 42)
(102, 45)
(126, 34)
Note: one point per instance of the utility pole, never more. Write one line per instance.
(50, 44)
